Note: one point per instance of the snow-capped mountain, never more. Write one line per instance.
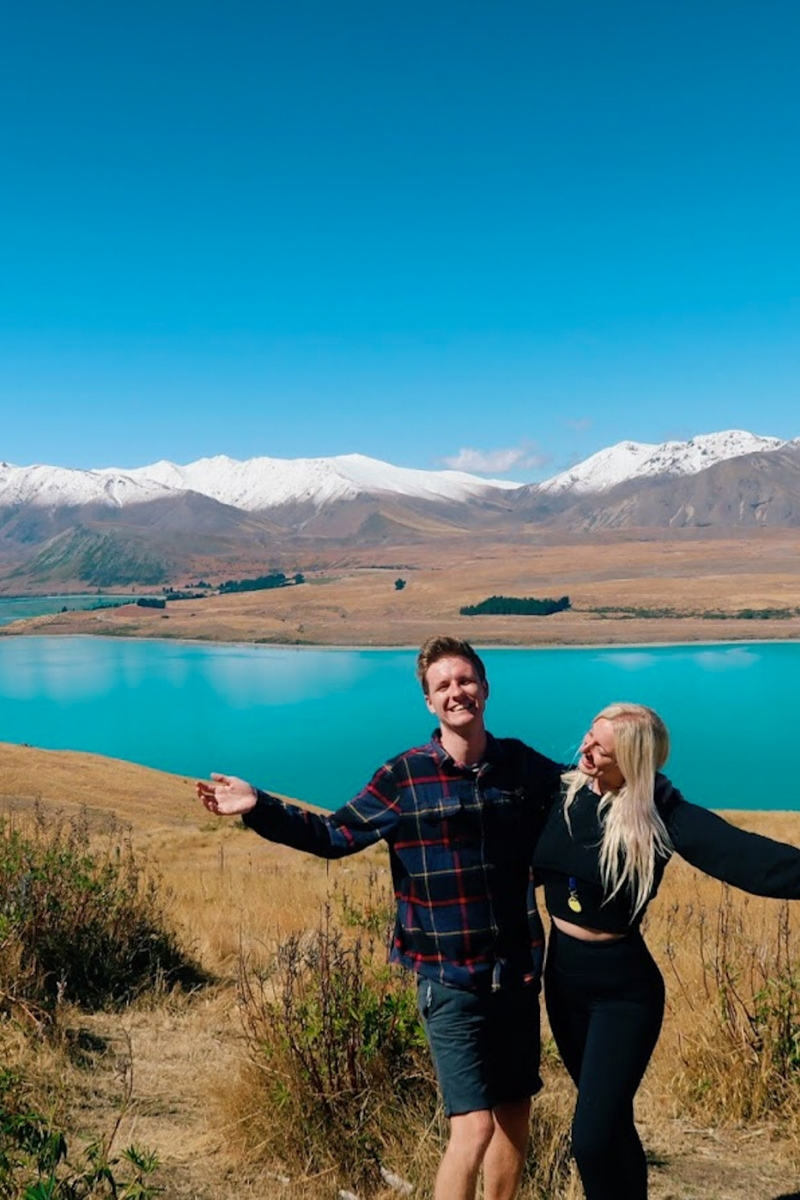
(639, 460)
(252, 486)
(262, 485)
(155, 524)
(62, 487)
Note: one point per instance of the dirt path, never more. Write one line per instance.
(141, 1065)
(707, 1164)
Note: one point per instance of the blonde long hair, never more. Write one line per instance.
(633, 832)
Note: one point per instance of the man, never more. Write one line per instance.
(460, 816)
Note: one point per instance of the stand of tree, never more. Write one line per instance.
(515, 606)
(179, 594)
(262, 582)
(275, 580)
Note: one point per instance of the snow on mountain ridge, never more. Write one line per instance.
(261, 483)
(64, 487)
(602, 470)
(637, 460)
(253, 485)
(258, 484)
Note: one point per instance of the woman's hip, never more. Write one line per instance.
(622, 969)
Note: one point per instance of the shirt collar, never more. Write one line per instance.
(492, 755)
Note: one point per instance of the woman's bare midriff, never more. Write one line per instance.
(583, 934)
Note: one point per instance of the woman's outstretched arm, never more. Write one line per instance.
(748, 861)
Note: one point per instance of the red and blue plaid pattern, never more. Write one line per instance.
(460, 843)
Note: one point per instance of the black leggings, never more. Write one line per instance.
(605, 1001)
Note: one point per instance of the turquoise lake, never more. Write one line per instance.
(316, 723)
(15, 608)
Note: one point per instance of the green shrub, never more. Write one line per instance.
(35, 1165)
(764, 614)
(629, 610)
(741, 614)
(78, 922)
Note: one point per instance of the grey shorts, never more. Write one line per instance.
(485, 1045)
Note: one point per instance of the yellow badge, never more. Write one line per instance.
(574, 904)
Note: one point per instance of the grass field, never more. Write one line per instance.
(175, 1073)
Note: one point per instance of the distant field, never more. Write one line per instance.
(360, 605)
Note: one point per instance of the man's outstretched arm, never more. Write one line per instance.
(372, 815)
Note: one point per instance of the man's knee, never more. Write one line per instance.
(513, 1119)
(471, 1133)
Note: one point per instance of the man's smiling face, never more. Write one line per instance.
(455, 694)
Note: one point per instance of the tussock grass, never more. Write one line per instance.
(705, 570)
(738, 1008)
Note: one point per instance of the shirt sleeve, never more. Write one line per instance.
(746, 860)
(371, 815)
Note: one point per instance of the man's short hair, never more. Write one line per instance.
(442, 646)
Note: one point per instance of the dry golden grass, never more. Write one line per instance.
(351, 599)
(182, 1060)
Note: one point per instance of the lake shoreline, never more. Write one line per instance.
(262, 643)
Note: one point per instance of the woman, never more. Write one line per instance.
(601, 858)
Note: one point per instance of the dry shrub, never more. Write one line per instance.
(337, 1058)
(79, 921)
(739, 1036)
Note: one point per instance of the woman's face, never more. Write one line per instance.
(598, 759)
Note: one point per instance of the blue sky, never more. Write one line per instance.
(493, 234)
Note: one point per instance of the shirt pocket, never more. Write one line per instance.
(508, 808)
(451, 840)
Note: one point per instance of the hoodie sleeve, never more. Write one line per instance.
(746, 860)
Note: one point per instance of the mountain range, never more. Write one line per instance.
(151, 524)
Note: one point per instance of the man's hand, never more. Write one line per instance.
(226, 796)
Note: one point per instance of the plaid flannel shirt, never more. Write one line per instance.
(460, 842)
